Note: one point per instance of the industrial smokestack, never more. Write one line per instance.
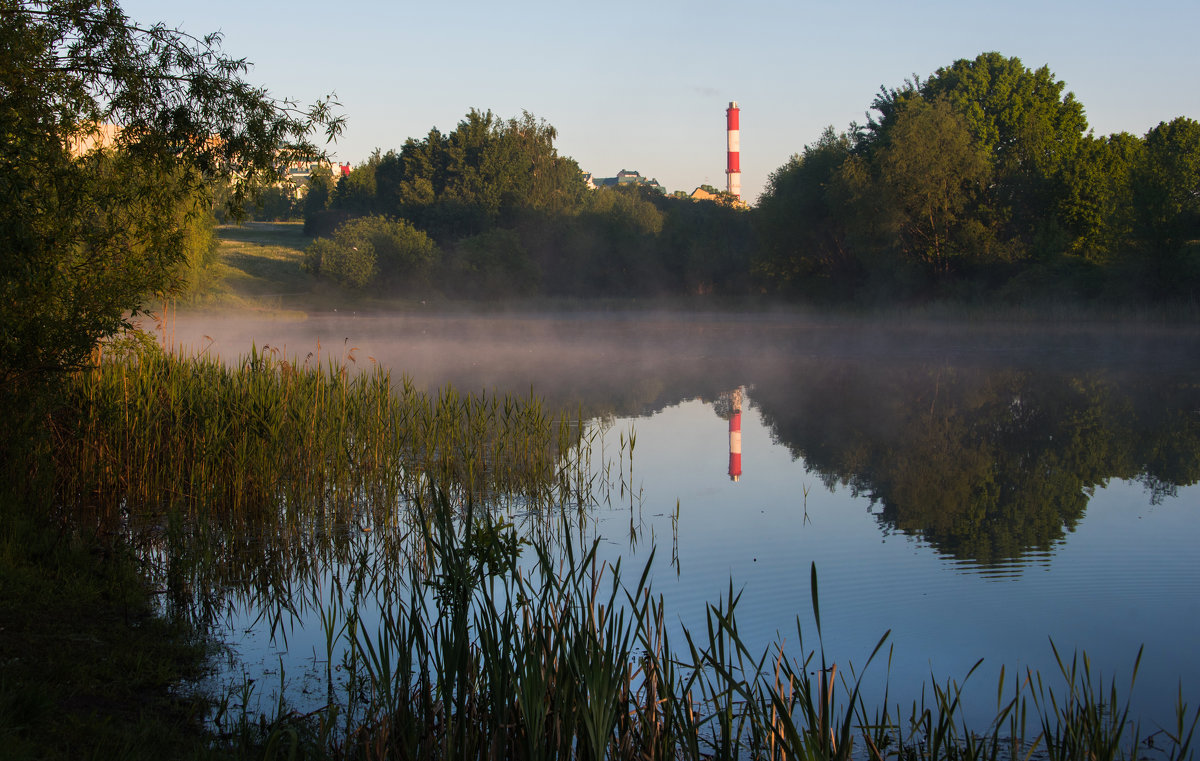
(733, 168)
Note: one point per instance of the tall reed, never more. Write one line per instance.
(215, 466)
(501, 649)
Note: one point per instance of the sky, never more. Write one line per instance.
(644, 85)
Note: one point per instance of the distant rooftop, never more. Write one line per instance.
(627, 177)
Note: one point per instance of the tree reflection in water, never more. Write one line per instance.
(985, 463)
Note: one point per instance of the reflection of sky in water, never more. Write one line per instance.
(1128, 575)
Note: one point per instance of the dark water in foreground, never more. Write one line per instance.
(979, 491)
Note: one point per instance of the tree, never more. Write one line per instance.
(541, 179)
(275, 204)
(351, 266)
(1166, 187)
(356, 192)
(1097, 204)
(705, 246)
(1031, 130)
(799, 219)
(1022, 120)
(488, 171)
(83, 240)
(1019, 115)
(491, 265)
(931, 171)
(319, 192)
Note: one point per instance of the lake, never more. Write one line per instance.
(978, 490)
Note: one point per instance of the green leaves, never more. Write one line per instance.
(933, 171)
(460, 184)
(981, 177)
(113, 131)
(373, 251)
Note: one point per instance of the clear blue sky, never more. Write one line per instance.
(644, 85)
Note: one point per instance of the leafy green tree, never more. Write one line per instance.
(931, 173)
(1020, 116)
(350, 265)
(801, 223)
(1098, 203)
(319, 191)
(542, 179)
(491, 265)
(473, 166)
(625, 211)
(1166, 190)
(1031, 130)
(615, 244)
(705, 247)
(405, 181)
(275, 204)
(1024, 122)
(488, 171)
(199, 243)
(83, 237)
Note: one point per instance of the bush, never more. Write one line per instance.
(373, 251)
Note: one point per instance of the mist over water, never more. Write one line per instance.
(589, 357)
(977, 490)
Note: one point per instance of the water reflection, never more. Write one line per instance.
(729, 406)
(985, 463)
(985, 441)
(984, 489)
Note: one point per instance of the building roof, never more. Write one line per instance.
(627, 177)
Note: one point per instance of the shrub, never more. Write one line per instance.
(349, 265)
(373, 250)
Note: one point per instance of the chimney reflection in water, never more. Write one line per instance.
(735, 437)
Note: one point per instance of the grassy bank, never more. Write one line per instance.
(258, 268)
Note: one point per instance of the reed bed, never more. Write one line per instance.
(159, 430)
(495, 648)
(257, 474)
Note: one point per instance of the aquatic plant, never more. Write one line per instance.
(486, 653)
(212, 466)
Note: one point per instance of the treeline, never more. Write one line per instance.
(981, 182)
(492, 210)
(984, 180)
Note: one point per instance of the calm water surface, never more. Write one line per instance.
(977, 491)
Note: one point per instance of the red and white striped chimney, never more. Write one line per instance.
(735, 438)
(733, 168)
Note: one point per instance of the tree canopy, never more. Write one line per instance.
(106, 122)
(982, 178)
(462, 183)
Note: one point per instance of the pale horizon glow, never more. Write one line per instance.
(644, 86)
